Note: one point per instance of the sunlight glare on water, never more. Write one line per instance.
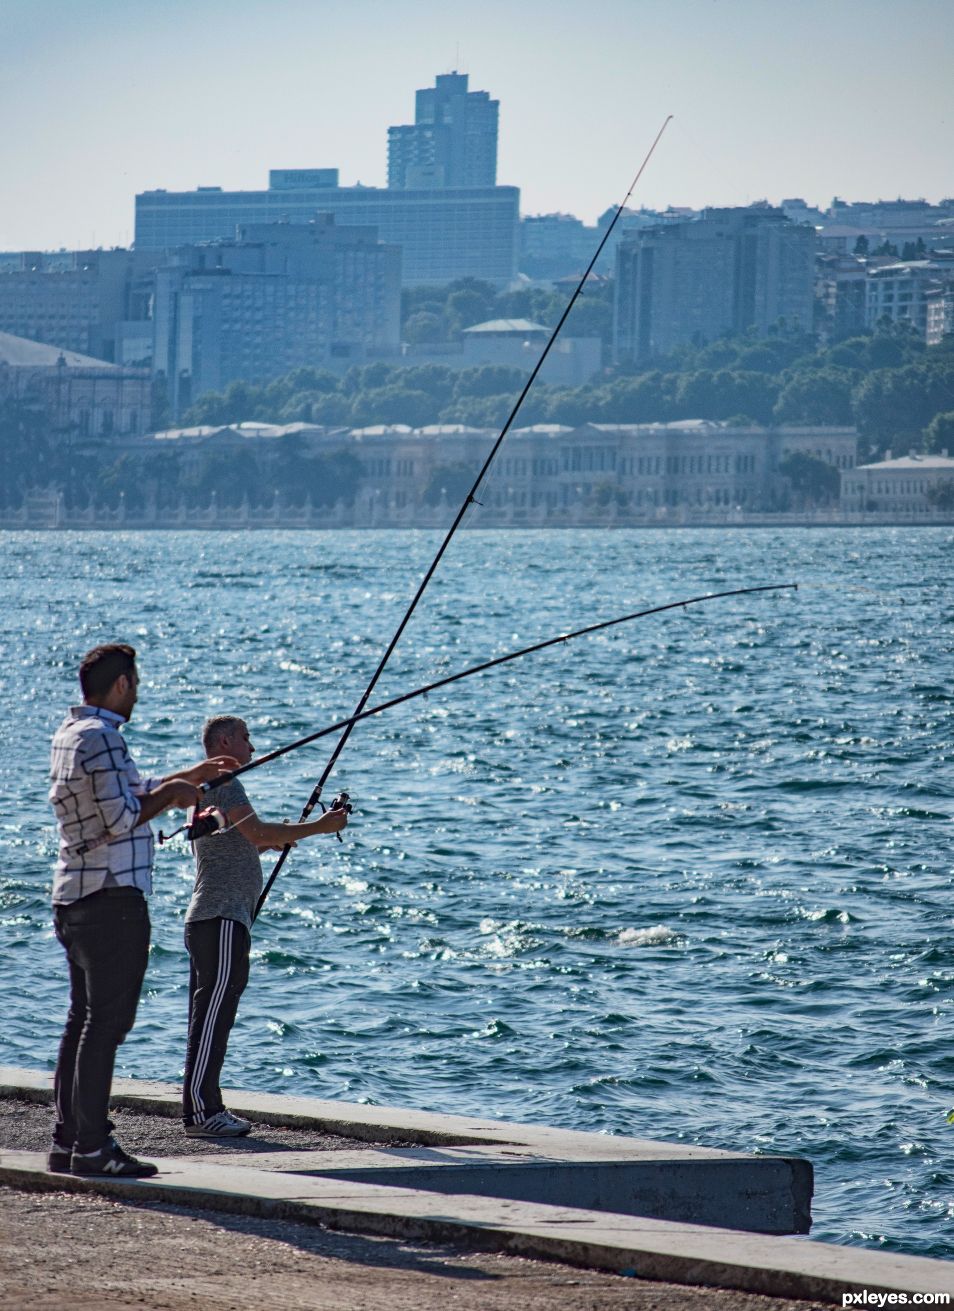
(689, 879)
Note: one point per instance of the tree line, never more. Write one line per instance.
(898, 392)
(94, 473)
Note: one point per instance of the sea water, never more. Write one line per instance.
(688, 879)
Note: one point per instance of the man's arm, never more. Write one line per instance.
(104, 758)
(172, 793)
(262, 833)
(204, 770)
(181, 790)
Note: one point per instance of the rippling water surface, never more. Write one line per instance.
(689, 879)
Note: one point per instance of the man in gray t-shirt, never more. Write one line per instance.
(218, 927)
(228, 868)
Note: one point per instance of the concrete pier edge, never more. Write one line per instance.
(647, 1248)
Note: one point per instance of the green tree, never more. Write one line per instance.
(535, 303)
(894, 344)
(436, 379)
(393, 404)
(468, 301)
(647, 398)
(574, 406)
(706, 395)
(489, 380)
(29, 455)
(816, 396)
(241, 402)
(322, 479)
(941, 495)
(231, 475)
(451, 480)
(322, 380)
(814, 481)
(939, 434)
(330, 409)
(424, 328)
(852, 353)
(161, 416)
(299, 408)
(893, 407)
(492, 411)
(719, 354)
(365, 377)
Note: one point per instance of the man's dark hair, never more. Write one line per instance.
(100, 667)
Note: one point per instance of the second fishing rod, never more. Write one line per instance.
(468, 500)
(212, 823)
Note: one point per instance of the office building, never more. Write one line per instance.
(279, 297)
(939, 313)
(555, 246)
(71, 299)
(452, 141)
(900, 292)
(726, 272)
(444, 234)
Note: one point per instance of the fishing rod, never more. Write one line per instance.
(469, 499)
(209, 820)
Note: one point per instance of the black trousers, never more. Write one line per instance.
(106, 939)
(218, 972)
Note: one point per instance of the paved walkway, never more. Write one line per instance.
(315, 1164)
(61, 1252)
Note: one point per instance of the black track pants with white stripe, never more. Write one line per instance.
(218, 972)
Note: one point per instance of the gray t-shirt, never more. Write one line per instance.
(228, 876)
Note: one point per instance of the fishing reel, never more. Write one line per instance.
(341, 802)
(203, 822)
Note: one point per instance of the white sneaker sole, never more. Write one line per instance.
(198, 1131)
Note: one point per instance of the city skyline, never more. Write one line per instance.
(806, 100)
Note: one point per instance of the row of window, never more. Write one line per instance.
(520, 498)
(894, 487)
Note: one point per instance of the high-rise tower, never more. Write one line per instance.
(452, 142)
(722, 273)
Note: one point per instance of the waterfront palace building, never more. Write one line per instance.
(79, 396)
(903, 484)
(547, 472)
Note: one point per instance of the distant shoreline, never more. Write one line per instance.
(303, 523)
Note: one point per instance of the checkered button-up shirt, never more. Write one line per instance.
(95, 793)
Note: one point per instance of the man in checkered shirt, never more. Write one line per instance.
(100, 884)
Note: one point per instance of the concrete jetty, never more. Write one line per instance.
(656, 1210)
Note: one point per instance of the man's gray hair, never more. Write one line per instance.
(216, 728)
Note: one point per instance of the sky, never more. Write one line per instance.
(770, 98)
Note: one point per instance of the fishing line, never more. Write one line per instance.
(469, 499)
(879, 592)
(492, 664)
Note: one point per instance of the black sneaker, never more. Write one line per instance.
(221, 1125)
(58, 1160)
(112, 1160)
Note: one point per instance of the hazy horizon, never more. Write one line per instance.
(851, 98)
